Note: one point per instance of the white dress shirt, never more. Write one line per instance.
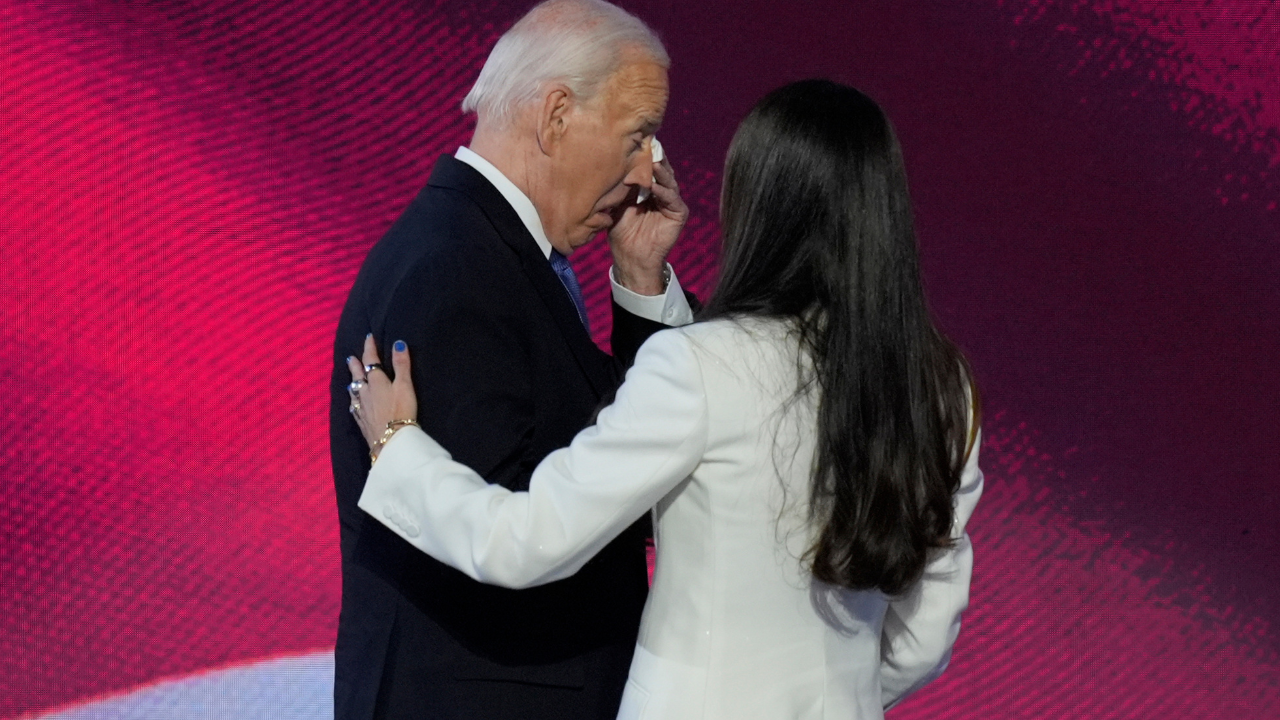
(708, 432)
(670, 308)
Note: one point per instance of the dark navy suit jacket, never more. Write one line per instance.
(505, 373)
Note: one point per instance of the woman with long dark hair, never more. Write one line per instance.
(808, 448)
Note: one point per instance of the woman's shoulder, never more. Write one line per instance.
(735, 345)
(741, 330)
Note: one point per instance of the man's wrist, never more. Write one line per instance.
(645, 281)
(670, 308)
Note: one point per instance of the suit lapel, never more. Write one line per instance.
(452, 173)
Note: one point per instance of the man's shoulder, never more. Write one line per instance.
(443, 233)
(442, 218)
(456, 204)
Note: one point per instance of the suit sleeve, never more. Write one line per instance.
(631, 330)
(579, 498)
(470, 364)
(921, 626)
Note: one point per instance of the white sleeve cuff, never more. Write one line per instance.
(670, 308)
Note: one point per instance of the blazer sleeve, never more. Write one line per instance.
(921, 626)
(471, 357)
(579, 497)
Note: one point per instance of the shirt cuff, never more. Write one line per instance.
(670, 308)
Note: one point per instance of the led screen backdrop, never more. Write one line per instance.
(188, 188)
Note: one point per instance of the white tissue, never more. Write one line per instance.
(656, 148)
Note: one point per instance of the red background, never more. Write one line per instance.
(189, 188)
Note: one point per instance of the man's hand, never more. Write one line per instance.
(643, 234)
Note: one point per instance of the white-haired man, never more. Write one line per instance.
(473, 277)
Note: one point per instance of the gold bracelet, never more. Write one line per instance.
(392, 427)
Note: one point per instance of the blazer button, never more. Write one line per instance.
(410, 530)
(387, 512)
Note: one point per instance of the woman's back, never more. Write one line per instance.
(735, 626)
(731, 621)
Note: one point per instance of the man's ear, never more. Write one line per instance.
(553, 118)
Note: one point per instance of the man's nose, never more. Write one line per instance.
(641, 173)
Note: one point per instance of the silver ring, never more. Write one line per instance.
(355, 409)
(356, 386)
(370, 368)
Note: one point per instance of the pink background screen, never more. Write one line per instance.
(187, 190)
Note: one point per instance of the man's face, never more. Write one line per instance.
(605, 155)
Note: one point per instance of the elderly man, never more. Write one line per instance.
(474, 277)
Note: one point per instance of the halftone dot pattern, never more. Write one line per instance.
(1214, 63)
(1067, 620)
(184, 235)
(188, 191)
(282, 688)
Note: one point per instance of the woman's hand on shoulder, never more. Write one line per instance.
(378, 404)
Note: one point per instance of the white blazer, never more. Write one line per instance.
(701, 432)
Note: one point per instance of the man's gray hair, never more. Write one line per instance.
(576, 42)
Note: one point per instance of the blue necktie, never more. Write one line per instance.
(561, 265)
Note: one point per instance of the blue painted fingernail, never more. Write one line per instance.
(400, 346)
(350, 358)
(369, 335)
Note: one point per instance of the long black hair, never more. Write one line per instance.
(818, 229)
